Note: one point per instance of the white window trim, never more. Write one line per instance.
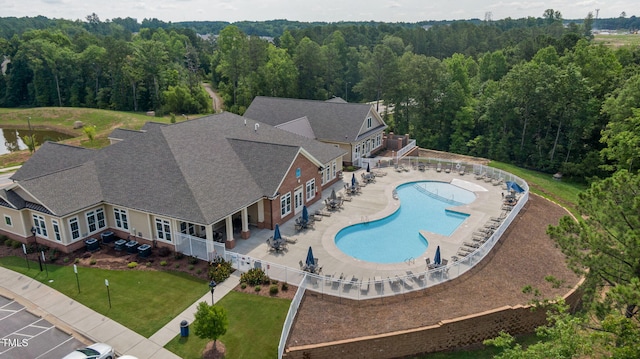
(56, 230)
(123, 220)
(71, 231)
(285, 204)
(163, 233)
(40, 225)
(310, 189)
(8, 220)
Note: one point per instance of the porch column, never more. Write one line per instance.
(261, 214)
(209, 232)
(245, 234)
(230, 242)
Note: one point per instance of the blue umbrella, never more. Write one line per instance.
(310, 262)
(512, 186)
(276, 233)
(437, 260)
(368, 169)
(353, 180)
(305, 214)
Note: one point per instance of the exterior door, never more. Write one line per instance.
(298, 200)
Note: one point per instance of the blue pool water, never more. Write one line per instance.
(396, 238)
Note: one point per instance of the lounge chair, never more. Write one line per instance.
(291, 240)
(461, 171)
(438, 167)
(364, 286)
(463, 253)
(472, 244)
(302, 266)
(448, 169)
(323, 213)
(466, 249)
(497, 182)
(408, 282)
(328, 278)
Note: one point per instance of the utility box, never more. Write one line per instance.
(92, 244)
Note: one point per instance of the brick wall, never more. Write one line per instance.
(448, 334)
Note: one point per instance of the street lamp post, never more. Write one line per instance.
(212, 286)
(35, 238)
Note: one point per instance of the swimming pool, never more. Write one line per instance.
(394, 239)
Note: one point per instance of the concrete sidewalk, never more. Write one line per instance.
(71, 316)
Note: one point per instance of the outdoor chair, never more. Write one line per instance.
(438, 167)
(364, 286)
(463, 253)
(472, 244)
(461, 171)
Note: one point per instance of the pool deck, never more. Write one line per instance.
(375, 201)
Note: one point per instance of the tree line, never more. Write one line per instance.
(532, 92)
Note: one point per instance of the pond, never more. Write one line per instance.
(12, 139)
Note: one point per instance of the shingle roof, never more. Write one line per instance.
(199, 170)
(330, 120)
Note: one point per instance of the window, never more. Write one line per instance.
(285, 204)
(311, 189)
(95, 220)
(163, 229)
(56, 230)
(8, 221)
(188, 228)
(40, 226)
(327, 175)
(378, 140)
(368, 122)
(122, 220)
(334, 168)
(75, 228)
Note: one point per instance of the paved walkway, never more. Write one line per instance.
(89, 326)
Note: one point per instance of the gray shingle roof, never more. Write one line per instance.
(198, 171)
(330, 120)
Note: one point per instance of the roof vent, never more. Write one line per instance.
(245, 121)
(255, 128)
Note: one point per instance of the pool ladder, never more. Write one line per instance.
(364, 219)
(410, 260)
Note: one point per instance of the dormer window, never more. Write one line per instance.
(368, 122)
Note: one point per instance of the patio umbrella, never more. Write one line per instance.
(353, 180)
(333, 196)
(276, 233)
(368, 169)
(512, 186)
(310, 262)
(437, 260)
(305, 214)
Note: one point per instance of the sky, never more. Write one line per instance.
(307, 11)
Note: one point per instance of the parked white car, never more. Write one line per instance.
(93, 351)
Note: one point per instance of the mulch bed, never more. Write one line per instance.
(524, 256)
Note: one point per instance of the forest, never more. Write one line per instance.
(533, 92)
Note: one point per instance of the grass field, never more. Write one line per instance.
(134, 294)
(255, 324)
(617, 40)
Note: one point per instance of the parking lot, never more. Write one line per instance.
(27, 336)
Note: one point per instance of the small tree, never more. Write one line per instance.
(31, 142)
(90, 131)
(210, 322)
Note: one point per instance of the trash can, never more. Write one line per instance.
(144, 250)
(184, 328)
(92, 244)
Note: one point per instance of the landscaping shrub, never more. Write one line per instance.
(285, 286)
(15, 244)
(193, 260)
(93, 262)
(273, 289)
(53, 255)
(178, 255)
(199, 271)
(148, 264)
(132, 264)
(191, 266)
(66, 260)
(254, 276)
(76, 261)
(8, 243)
(3, 238)
(163, 263)
(220, 270)
(257, 288)
(243, 285)
(164, 251)
(177, 265)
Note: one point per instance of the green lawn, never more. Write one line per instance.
(562, 192)
(255, 324)
(155, 296)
